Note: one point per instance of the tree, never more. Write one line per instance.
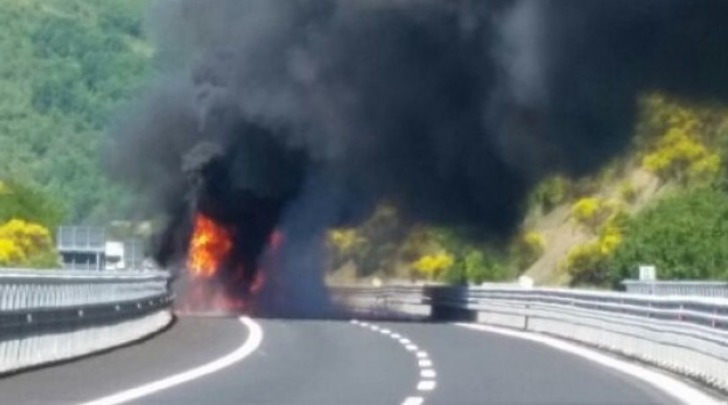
(67, 68)
(684, 235)
(19, 201)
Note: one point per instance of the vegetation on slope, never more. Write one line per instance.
(67, 66)
(612, 224)
(26, 217)
(685, 235)
(684, 145)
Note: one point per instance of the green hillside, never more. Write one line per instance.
(65, 68)
(664, 202)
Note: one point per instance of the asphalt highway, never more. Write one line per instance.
(205, 360)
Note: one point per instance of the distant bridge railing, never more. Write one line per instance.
(684, 334)
(53, 315)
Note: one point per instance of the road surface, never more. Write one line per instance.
(331, 362)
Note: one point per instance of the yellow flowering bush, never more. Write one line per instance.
(679, 152)
(586, 263)
(10, 252)
(590, 211)
(345, 240)
(585, 209)
(594, 212)
(534, 241)
(432, 265)
(23, 243)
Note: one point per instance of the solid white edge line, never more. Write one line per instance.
(413, 401)
(665, 383)
(255, 337)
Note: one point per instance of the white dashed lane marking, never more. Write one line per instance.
(427, 374)
(413, 401)
(426, 385)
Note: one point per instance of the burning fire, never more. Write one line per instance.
(217, 281)
(209, 247)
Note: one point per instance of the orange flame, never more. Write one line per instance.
(209, 246)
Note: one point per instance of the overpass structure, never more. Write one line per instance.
(492, 344)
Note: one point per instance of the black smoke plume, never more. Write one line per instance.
(302, 115)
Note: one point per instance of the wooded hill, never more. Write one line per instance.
(66, 68)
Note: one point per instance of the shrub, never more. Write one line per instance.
(550, 193)
(589, 212)
(585, 209)
(10, 253)
(588, 263)
(345, 240)
(680, 156)
(477, 265)
(677, 138)
(433, 265)
(25, 244)
(526, 249)
(24, 202)
(627, 191)
(685, 236)
(585, 264)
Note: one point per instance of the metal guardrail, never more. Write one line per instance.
(685, 334)
(667, 287)
(52, 315)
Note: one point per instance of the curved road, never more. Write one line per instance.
(335, 362)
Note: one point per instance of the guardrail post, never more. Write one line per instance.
(714, 321)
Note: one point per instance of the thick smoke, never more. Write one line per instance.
(301, 115)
